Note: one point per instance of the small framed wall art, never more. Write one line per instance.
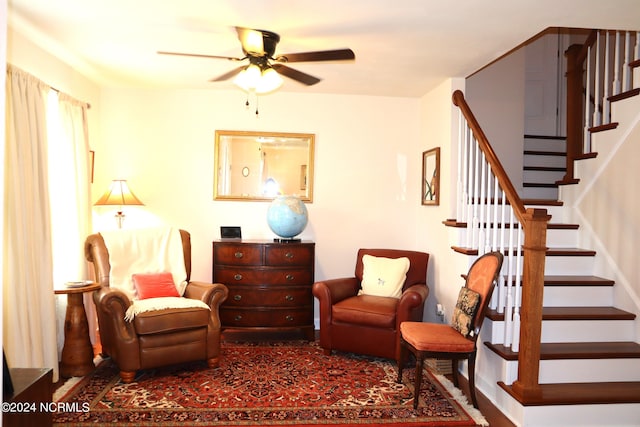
(431, 177)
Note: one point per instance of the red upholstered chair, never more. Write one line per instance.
(456, 341)
(367, 324)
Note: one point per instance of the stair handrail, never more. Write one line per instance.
(534, 225)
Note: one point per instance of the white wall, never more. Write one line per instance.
(367, 166)
(496, 97)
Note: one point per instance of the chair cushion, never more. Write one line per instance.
(378, 312)
(383, 277)
(436, 337)
(465, 311)
(171, 320)
(154, 285)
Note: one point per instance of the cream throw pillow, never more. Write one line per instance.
(383, 277)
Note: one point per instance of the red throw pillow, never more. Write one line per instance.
(154, 285)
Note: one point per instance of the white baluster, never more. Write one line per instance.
(496, 201)
(508, 312)
(476, 185)
(626, 70)
(606, 118)
(470, 196)
(460, 192)
(587, 106)
(482, 224)
(503, 225)
(597, 119)
(617, 84)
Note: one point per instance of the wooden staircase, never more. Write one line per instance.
(589, 359)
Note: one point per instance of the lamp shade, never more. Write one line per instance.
(118, 194)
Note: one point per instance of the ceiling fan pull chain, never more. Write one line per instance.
(257, 106)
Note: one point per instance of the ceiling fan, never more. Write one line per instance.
(259, 48)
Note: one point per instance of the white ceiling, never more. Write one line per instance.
(403, 47)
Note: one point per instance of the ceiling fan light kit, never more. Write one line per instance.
(254, 79)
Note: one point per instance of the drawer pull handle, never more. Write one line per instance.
(289, 298)
(237, 297)
(289, 255)
(289, 277)
(289, 318)
(238, 276)
(238, 318)
(238, 254)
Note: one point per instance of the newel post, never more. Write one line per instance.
(534, 248)
(575, 110)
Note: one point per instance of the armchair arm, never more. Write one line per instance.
(411, 303)
(335, 290)
(213, 294)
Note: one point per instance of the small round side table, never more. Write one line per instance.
(77, 352)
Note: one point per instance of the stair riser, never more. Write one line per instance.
(555, 145)
(570, 331)
(584, 296)
(556, 238)
(579, 370)
(588, 370)
(540, 193)
(545, 161)
(569, 265)
(586, 330)
(542, 177)
(619, 415)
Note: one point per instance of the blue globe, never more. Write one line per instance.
(287, 216)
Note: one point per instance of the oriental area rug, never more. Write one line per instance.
(265, 384)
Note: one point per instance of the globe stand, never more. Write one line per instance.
(283, 240)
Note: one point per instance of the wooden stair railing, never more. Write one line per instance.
(533, 224)
(598, 71)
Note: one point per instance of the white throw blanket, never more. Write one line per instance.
(143, 251)
(152, 304)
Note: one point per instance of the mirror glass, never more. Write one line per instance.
(262, 165)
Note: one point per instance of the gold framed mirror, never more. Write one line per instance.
(250, 165)
(431, 177)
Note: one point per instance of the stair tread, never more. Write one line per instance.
(575, 313)
(585, 313)
(550, 251)
(550, 225)
(545, 153)
(581, 393)
(555, 280)
(559, 280)
(576, 350)
(540, 185)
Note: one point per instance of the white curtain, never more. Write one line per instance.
(69, 182)
(28, 301)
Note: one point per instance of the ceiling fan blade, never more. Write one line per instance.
(321, 55)
(299, 76)
(257, 42)
(228, 75)
(198, 55)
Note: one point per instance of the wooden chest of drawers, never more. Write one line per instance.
(269, 284)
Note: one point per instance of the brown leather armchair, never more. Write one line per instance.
(368, 324)
(160, 337)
